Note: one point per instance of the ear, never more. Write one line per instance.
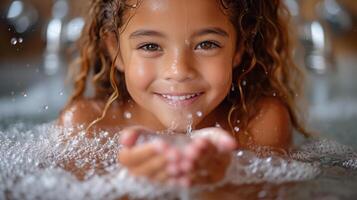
(237, 57)
(113, 48)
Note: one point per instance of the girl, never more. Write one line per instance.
(174, 65)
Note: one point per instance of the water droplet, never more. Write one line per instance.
(189, 129)
(274, 94)
(45, 107)
(217, 125)
(236, 129)
(199, 114)
(238, 121)
(13, 41)
(232, 88)
(189, 116)
(127, 115)
(20, 40)
(244, 83)
(24, 94)
(240, 153)
(61, 93)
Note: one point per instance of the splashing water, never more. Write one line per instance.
(199, 114)
(34, 165)
(13, 41)
(127, 115)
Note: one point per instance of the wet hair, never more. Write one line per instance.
(266, 69)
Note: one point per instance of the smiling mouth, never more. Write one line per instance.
(180, 99)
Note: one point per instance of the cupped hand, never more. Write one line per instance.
(203, 160)
(206, 158)
(145, 158)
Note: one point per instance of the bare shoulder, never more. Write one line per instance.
(271, 126)
(80, 112)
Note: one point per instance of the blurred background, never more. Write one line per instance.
(36, 38)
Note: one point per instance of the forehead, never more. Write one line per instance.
(176, 15)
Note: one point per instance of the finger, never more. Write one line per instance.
(186, 165)
(130, 135)
(219, 137)
(226, 143)
(136, 155)
(191, 152)
(173, 169)
(173, 155)
(151, 167)
(184, 182)
(161, 176)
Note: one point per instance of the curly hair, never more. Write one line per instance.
(266, 69)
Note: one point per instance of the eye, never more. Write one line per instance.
(150, 47)
(207, 45)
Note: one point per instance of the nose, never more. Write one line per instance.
(180, 67)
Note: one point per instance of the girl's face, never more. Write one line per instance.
(177, 57)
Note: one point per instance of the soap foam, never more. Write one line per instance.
(33, 158)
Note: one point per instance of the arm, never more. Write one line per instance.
(78, 113)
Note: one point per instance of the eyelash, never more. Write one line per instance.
(144, 46)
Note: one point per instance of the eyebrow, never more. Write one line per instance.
(213, 30)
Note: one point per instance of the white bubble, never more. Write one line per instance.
(217, 125)
(274, 94)
(244, 83)
(45, 107)
(199, 114)
(127, 115)
(24, 94)
(13, 41)
(238, 121)
(20, 40)
(61, 93)
(236, 129)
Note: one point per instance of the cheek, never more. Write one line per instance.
(139, 75)
(219, 74)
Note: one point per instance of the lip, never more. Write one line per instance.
(175, 100)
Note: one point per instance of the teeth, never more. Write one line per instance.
(179, 98)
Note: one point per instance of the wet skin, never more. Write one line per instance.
(177, 60)
(181, 64)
